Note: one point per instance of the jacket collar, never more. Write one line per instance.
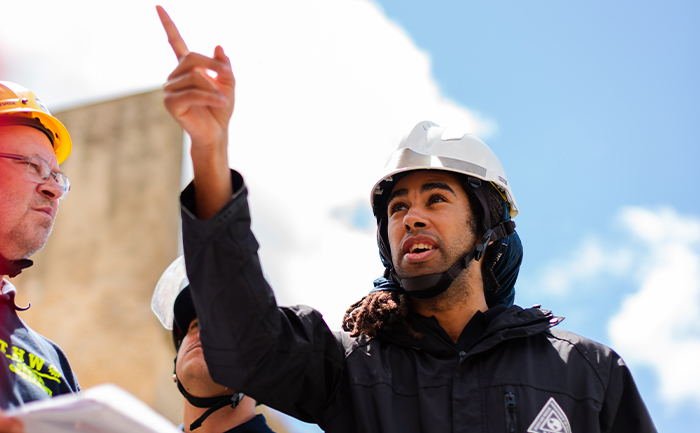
(514, 322)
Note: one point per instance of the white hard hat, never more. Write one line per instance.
(171, 283)
(431, 147)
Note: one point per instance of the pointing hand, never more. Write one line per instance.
(201, 103)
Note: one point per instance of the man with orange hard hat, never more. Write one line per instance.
(32, 145)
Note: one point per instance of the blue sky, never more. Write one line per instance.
(596, 103)
(592, 108)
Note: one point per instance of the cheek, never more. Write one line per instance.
(186, 341)
(394, 233)
(459, 229)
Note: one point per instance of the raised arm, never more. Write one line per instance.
(203, 106)
(286, 358)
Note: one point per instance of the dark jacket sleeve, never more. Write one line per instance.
(286, 358)
(623, 408)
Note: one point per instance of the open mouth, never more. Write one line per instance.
(420, 248)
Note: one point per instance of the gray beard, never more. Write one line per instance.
(27, 246)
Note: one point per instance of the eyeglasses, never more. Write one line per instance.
(39, 171)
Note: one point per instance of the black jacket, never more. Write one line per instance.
(520, 375)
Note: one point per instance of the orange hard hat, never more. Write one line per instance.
(20, 106)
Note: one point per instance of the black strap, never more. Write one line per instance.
(503, 230)
(213, 403)
(12, 268)
(200, 402)
(10, 298)
(234, 400)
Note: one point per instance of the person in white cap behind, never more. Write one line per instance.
(209, 407)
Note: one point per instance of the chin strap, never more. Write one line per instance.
(234, 400)
(427, 286)
(213, 403)
(12, 268)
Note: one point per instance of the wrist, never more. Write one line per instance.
(207, 151)
(212, 178)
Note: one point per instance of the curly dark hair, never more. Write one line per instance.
(382, 309)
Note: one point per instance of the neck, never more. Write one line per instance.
(223, 419)
(454, 308)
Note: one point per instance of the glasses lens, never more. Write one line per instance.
(38, 169)
(64, 183)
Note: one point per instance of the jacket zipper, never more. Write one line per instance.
(511, 420)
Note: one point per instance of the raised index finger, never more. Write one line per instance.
(174, 37)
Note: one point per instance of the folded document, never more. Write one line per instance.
(101, 409)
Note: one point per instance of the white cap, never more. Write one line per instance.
(171, 283)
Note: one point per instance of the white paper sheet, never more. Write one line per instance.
(101, 409)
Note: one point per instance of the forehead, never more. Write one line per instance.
(25, 140)
(419, 178)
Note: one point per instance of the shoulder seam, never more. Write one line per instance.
(583, 354)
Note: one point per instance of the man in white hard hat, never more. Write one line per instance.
(32, 145)
(209, 407)
(438, 345)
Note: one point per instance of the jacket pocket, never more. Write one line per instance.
(511, 419)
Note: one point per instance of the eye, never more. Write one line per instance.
(436, 198)
(194, 325)
(35, 168)
(396, 206)
(32, 166)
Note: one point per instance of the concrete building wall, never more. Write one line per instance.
(115, 233)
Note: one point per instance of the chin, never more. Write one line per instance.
(418, 270)
(34, 247)
(23, 251)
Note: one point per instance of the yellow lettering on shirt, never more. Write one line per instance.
(30, 376)
(35, 363)
(17, 354)
(36, 372)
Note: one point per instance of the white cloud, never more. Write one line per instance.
(325, 89)
(659, 326)
(591, 259)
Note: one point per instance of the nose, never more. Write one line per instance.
(50, 189)
(415, 219)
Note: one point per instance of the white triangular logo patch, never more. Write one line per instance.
(551, 419)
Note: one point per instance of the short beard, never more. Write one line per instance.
(457, 293)
(26, 246)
